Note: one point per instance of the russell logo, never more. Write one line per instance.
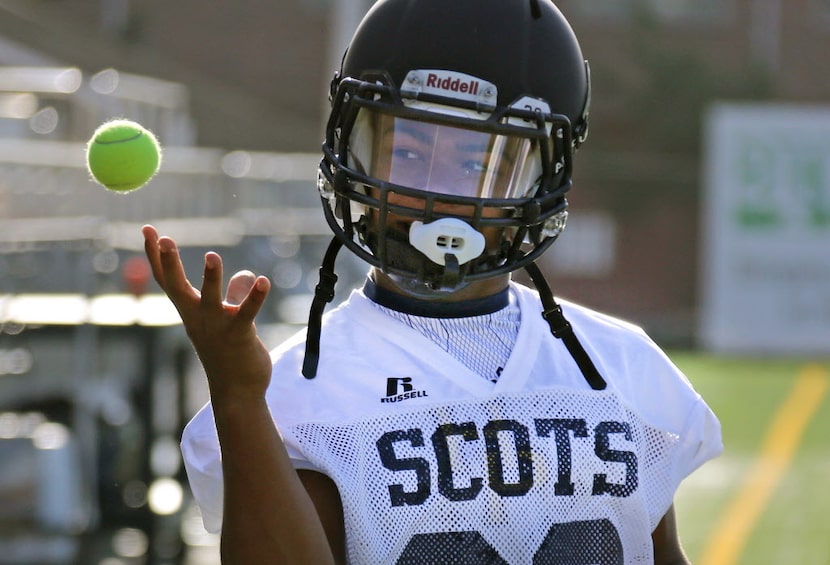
(399, 389)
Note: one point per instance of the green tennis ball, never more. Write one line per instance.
(122, 155)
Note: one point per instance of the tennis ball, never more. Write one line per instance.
(122, 155)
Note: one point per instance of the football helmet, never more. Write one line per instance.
(449, 147)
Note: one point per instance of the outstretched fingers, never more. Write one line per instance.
(246, 292)
(220, 326)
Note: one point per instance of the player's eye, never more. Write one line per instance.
(473, 167)
(405, 154)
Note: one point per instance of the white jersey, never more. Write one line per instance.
(436, 465)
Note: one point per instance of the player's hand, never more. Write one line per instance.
(222, 330)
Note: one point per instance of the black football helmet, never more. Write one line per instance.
(506, 77)
(449, 148)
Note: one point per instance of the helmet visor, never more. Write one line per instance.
(446, 159)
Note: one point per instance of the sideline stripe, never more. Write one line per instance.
(777, 450)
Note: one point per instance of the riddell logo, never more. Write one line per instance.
(399, 389)
(451, 84)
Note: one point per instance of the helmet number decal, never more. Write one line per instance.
(530, 104)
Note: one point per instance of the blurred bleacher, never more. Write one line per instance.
(202, 196)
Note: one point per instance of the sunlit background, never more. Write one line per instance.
(701, 211)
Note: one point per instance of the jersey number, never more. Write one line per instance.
(590, 542)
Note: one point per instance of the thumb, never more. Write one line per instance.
(239, 286)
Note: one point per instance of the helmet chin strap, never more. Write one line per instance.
(562, 329)
(323, 294)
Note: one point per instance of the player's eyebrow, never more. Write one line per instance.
(486, 148)
(410, 130)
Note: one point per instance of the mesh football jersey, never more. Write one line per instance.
(435, 465)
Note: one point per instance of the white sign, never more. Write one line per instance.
(766, 230)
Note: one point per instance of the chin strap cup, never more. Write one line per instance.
(447, 237)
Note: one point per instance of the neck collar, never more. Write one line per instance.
(436, 309)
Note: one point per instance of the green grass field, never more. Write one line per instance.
(766, 500)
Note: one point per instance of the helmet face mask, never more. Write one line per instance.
(409, 162)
